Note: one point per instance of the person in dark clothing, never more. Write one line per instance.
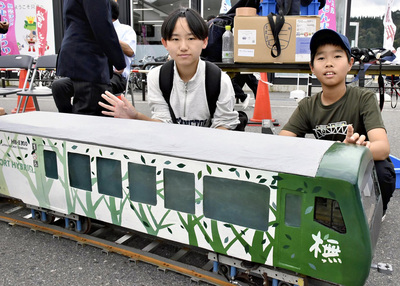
(89, 49)
(238, 82)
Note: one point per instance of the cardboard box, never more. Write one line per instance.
(254, 39)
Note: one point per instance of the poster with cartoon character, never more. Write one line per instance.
(31, 27)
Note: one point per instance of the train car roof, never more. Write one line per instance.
(299, 156)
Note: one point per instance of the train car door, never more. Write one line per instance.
(289, 243)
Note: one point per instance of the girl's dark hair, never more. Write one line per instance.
(196, 23)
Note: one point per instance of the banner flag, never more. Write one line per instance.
(328, 15)
(390, 28)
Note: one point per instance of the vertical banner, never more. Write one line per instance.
(8, 40)
(41, 18)
(33, 27)
(328, 15)
(390, 28)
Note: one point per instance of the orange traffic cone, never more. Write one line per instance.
(29, 106)
(262, 108)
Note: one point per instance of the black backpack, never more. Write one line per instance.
(213, 85)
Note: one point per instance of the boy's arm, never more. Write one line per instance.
(378, 142)
(287, 133)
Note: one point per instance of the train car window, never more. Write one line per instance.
(142, 183)
(50, 164)
(238, 202)
(79, 171)
(179, 191)
(327, 212)
(109, 178)
(293, 210)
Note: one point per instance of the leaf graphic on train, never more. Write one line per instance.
(299, 189)
(226, 239)
(288, 237)
(219, 169)
(326, 237)
(44, 142)
(126, 157)
(181, 165)
(312, 266)
(100, 152)
(317, 189)
(247, 174)
(26, 155)
(159, 172)
(292, 256)
(205, 224)
(153, 161)
(142, 159)
(209, 169)
(247, 248)
(19, 158)
(145, 223)
(332, 194)
(111, 154)
(27, 139)
(199, 175)
(259, 176)
(263, 241)
(309, 210)
(232, 169)
(262, 181)
(170, 231)
(91, 160)
(286, 246)
(167, 162)
(74, 147)
(87, 150)
(227, 225)
(305, 184)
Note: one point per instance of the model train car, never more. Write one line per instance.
(308, 207)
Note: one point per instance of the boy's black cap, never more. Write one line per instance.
(328, 36)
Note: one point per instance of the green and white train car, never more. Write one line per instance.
(306, 206)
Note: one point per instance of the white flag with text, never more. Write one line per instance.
(390, 28)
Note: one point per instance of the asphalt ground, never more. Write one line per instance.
(34, 258)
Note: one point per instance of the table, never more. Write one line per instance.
(357, 69)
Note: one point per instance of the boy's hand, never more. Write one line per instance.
(119, 108)
(355, 138)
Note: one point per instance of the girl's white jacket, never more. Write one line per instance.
(189, 100)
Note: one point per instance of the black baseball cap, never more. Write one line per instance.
(328, 36)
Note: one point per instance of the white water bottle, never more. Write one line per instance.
(227, 46)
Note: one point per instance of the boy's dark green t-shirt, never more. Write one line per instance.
(358, 107)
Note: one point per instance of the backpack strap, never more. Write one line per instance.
(275, 29)
(212, 79)
(165, 82)
(213, 86)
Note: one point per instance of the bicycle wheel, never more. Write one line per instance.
(394, 96)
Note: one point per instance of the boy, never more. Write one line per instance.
(353, 109)
(184, 35)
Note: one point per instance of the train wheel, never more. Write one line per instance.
(47, 218)
(82, 225)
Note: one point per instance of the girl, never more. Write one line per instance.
(184, 35)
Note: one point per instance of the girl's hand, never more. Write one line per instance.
(118, 108)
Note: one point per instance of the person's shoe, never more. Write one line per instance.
(383, 215)
(246, 102)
